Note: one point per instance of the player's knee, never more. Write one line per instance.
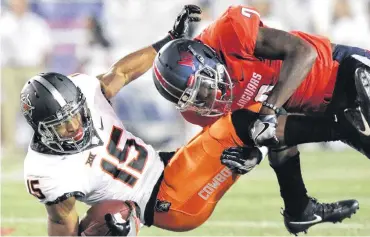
(362, 84)
(242, 119)
(362, 81)
(278, 156)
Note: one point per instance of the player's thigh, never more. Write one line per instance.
(341, 52)
(353, 137)
(345, 91)
(195, 180)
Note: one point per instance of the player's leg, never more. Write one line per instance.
(351, 99)
(352, 92)
(285, 161)
(195, 180)
(301, 211)
(299, 214)
(351, 136)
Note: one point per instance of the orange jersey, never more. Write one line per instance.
(195, 180)
(233, 36)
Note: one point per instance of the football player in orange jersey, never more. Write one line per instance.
(239, 63)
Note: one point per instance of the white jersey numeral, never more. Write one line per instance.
(133, 155)
(262, 94)
(247, 12)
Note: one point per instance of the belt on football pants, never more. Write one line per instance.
(149, 208)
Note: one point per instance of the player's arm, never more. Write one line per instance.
(63, 218)
(298, 58)
(293, 130)
(136, 64)
(126, 70)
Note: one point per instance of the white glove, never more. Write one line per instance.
(263, 131)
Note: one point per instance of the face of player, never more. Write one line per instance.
(206, 94)
(210, 94)
(71, 128)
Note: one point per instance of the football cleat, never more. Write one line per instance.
(317, 212)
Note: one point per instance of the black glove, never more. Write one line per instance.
(182, 21)
(241, 160)
(129, 227)
(263, 130)
(116, 228)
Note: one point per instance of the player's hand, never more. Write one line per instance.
(182, 21)
(263, 131)
(120, 227)
(241, 160)
(117, 228)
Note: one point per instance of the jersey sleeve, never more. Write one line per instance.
(52, 190)
(235, 32)
(89, 85)
(54, 179)
(245, 22)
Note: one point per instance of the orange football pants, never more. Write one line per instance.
(195, 180)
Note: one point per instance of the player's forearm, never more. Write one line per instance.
(130, 68)
(295, 68)
(136, 64)
(298, 58)
(298, 129)
(62, 228)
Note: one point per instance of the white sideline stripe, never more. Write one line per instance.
(247, 224)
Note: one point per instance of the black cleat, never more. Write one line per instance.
(317, 212)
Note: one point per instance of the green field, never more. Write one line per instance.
(252, 207)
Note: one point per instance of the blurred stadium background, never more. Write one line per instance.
(88, 35)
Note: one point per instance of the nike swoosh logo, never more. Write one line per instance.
(366, 131)
(264, 129)
(316, 220)
(101, 124)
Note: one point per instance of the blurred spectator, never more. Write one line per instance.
(25, 45)
(295, 14)
(148, 115)
(347, 27)
(265, 7)
(321, 12)
(94, 54)
(198, 27)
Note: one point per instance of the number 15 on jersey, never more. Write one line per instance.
(132, 157)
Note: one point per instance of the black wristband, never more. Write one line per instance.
(158, 45)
